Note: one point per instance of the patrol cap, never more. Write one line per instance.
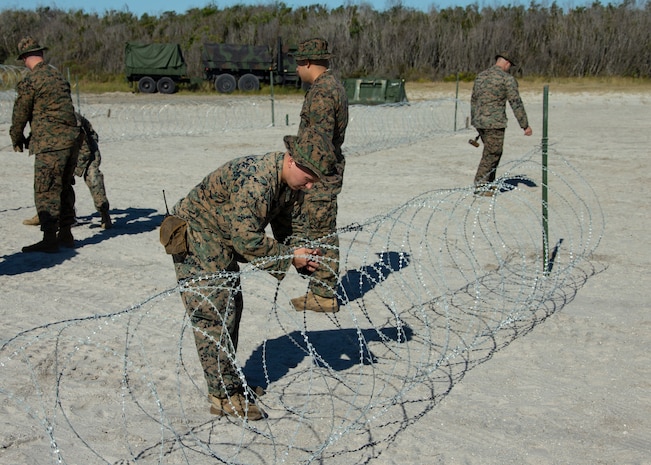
(28, 45)
(508, 56)
(311, 150)
(313, 49)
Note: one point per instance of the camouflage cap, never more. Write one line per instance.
(311, 150)
(508, 56)
(28, 45)
(313, 49)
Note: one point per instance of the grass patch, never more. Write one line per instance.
(527, 84)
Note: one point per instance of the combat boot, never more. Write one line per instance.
(315, 303)
(106, 219)
(49, 244)
(34, 221)
(237, 405)
(65, 238)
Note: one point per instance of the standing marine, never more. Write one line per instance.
(491, 90)
(324, 110)
(43, 100)
(87, 167)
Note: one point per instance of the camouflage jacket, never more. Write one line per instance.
(234, 204)
(43, 100)
(325, 109)
(89, 148)
(492, 88)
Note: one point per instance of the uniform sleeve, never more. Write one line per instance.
(251, 204)
(513, 96)
(318, 112)
(22, 112)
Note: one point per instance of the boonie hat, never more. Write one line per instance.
(27, 45)
(313, 49)
(508, 56)
(311, 150)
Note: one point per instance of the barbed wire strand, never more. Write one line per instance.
(427, 290)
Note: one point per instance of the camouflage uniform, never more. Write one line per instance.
(226, 216)
(43, 100)
(325, 110)
(88, 163)
(490, 92)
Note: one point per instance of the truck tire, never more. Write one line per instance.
(225, 83)
(166, 85)
(147, 85)
(248, 83)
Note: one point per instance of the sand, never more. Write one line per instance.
(97, 367)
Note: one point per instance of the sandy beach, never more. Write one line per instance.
(454, 344)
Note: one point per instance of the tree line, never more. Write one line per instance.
(399, 42)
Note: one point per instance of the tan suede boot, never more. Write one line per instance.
(237, 405)
(315, 303)
(34, 221)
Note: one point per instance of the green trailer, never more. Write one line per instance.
(375, 91)
(155, 67)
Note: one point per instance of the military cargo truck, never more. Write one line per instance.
(161, 67)
(155, 67)
(244, 67)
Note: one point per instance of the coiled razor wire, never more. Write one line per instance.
(10, 76)
(370, 128)
(428, 291)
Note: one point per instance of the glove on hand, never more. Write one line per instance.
(22, 143)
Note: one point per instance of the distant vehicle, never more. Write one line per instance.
(375, 91)
(244, 67)
(161, 67)
(155, 67)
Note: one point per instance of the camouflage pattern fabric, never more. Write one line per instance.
(313, 49)
(214, 307)
(325, 110)
(88, 163)
(43, 100)
(493, 140)
(491, 90)
(227, 213)
(54, 196)
(239, 58)
(28, 45)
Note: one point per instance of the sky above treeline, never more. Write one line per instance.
(157, 7)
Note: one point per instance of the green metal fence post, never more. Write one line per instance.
(456, 104)
(271, 80)
(545, 211)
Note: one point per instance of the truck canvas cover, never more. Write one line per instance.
(237, 58)
(154, 59)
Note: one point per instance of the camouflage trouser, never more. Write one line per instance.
(54, 196)
(318, 220)
(493, 140)
(214, 306)
(94, 179)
